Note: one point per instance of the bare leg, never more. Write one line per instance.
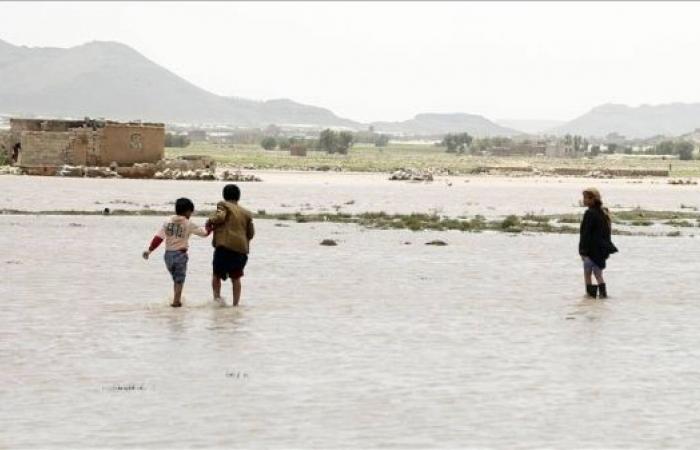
(236, 291)
(599, 276)
(216, 287)
(587, 276)
(177, 289)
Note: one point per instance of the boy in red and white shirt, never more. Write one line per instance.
(176, 233)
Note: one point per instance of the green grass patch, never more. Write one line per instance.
(367, 158)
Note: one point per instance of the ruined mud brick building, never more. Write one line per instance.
(49, 144)
(5, 145)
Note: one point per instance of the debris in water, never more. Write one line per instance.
(329, 242)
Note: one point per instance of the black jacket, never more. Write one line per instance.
(595, 237)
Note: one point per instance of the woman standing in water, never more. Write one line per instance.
(595, 245)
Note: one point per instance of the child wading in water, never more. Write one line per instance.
(233, 231)
(176, 233)
(595, 245)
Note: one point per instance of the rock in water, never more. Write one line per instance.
(412, 175)
(329, 242)
(437, 242)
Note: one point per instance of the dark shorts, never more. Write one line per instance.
(176, 262)
(590, 266)
(228, 263)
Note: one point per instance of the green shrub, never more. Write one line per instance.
(509, 222)
(268, 143)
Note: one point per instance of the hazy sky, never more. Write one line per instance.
(389, 61)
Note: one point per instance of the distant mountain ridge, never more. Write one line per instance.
(108, 79)
(532, 126)
(671, 119)
(435, 124)
(112, 80)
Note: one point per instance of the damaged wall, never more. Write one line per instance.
(92, 143)
(130, 144)
(19, 125)
(48, 148)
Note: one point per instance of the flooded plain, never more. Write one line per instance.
(379, 342)
(283, 192)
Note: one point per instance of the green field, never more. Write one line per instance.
(367, 158)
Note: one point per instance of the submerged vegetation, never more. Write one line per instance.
(631, 223)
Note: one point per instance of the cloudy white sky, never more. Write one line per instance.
(389, 61)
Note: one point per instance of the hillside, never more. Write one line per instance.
(670, 119)
(112, 80)
(108, 79)
(437, 124)
(532, 126)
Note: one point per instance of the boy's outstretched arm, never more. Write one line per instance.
(155, 242)
(201, 231)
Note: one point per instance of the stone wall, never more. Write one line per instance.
(44, 148)
(77, 147)
(20, 125)
(128, 144)
(81, 149)
(77, 143)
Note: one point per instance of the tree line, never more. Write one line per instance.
(684, 149)
(461, 143)
(176, 140)
(329, 141)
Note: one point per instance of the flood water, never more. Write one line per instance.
(351, 192)
(375, 343)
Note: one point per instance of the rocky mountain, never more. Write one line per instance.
(672, 119)
(108, 79)
(438, 124)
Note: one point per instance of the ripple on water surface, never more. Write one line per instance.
(283, 192)
(485, 342)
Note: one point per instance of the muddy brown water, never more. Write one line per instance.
(350, 192)
(374, 343)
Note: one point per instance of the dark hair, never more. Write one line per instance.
(183, 206)
(232, 193)
(606, 212)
